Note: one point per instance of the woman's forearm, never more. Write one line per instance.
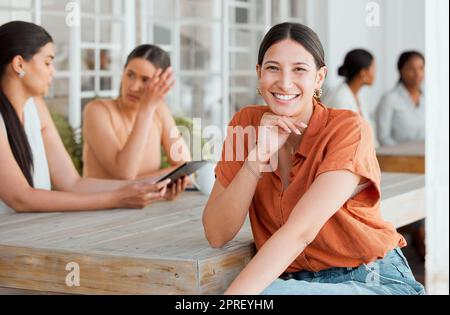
(93, 185)
(263, 269)
(158, 173)
(224, 216)
(36, 200)
(128, 160)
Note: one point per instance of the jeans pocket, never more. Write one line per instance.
(403, 269)
(402, 256)
(392, 273)
(408, 278)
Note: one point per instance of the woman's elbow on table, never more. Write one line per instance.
(20, 201)
(212, 235)
(215, 242)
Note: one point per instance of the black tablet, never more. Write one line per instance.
(184, 170)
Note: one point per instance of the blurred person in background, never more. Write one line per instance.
(401, 111)
(359, 70)
(123, 136)
(401, 118)
(39, 173)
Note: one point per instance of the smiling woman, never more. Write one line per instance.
(315, 215)
(288, 84)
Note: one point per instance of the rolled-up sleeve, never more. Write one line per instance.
(351, 148)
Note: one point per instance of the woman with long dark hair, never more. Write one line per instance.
(36, 172)
(310, 182)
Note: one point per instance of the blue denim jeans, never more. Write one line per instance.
(389, 276)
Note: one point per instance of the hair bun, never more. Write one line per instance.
(342, 71)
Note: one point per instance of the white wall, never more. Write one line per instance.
(341, 25)
(437, 148)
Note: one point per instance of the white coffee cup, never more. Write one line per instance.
(204, 178)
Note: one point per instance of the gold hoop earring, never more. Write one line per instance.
(318, 94)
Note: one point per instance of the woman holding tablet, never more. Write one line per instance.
(36, 172)
(315, 211)
(123, 136)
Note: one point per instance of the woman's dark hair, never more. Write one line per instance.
(405, 57)
(355, 61)
(297, 32)
(19, 39)
(158, 57)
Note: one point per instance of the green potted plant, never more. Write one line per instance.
(72, 142)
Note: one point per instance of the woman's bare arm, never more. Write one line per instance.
(312, 211)
(226, 209)
(75, 193)
(120, 162)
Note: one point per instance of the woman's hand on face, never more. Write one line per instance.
(157, 87)
(176, 188)
(140, 194)
(273, 133)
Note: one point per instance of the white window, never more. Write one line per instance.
(24, 10)
(102, 47)
(213, 45)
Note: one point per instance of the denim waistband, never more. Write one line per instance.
(305, 275)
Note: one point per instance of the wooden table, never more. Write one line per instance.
(158, 250)
(404, 158)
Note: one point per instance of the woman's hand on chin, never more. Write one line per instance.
(273, 133)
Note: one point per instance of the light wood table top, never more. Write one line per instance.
(405, 158)
(158, 250)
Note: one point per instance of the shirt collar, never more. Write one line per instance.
(404, 92)
(316, 124)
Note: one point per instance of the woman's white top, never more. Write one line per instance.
(32, 126)
(399, 120)
(342, 98)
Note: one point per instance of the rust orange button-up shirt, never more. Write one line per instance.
(335, 140)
